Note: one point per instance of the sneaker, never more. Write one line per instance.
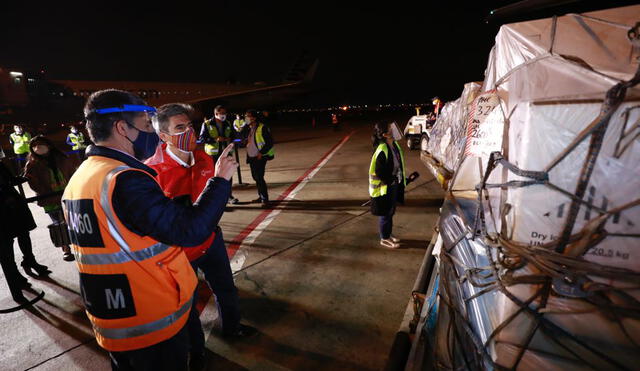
(394, 239)
(68, 257)
(233, 200)
(257, 200)
(387, 242)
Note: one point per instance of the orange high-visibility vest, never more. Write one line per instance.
(137, 290)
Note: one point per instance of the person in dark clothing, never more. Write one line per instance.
(387, 179)
(16, 220)
(259, 146)
(48, 170)
(114, 203)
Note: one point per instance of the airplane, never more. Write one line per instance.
(29, 98)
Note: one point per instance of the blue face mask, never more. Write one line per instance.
(145, 144)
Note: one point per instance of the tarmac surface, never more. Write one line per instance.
(312, 276)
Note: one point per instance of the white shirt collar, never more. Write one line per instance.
(179, 160)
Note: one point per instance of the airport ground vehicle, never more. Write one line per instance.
(417, 131)
(536, 248)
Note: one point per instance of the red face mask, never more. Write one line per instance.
(185, 141)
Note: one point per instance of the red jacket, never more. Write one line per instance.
(176, 181)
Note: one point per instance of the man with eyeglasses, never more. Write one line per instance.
(135, 280)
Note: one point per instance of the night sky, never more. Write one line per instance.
(394, 52)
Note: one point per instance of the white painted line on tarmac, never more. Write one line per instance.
(248, 236)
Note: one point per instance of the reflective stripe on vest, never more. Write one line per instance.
(145, 329)
(376, 187)
(259, 139)
(126, 254)
(139, 291)
(212, 149)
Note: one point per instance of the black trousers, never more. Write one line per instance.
(8, 263)
(21, 161)
(257, 173)
(171, 354)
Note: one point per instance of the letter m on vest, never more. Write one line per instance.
(137, 290)
(114, 301)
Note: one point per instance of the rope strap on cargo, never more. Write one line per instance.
(556, 267)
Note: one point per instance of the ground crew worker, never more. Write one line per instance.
(48, 170)
(335, 122)
(241, 128)
(387, 179)
(76, 140)
(217, 133)
(437, 105)
(20, 141)
(259, 151)
(183, 172)
(137, 286)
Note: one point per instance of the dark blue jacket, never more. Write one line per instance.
(142, 207)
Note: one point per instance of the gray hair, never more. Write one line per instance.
(166, 111)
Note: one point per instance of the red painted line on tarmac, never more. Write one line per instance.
(237, 241)
(204, 293)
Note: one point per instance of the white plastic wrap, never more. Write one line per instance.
(598, 39)
(448, 135)
(546, 99)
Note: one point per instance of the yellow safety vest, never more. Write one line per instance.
(260, 141)
(239, 124)
(20, 143)
(213, 149)
(376, 187)
(77, 140)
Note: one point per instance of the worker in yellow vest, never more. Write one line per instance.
(387, 179)
(259, 144)
(216, 133)
(136, 284)
(19, 139)
(75, 139)
(241, 128)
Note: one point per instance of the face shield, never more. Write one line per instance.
(149, 111)
(395, 131)
(147, 140)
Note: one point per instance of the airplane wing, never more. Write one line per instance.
(300, 74)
